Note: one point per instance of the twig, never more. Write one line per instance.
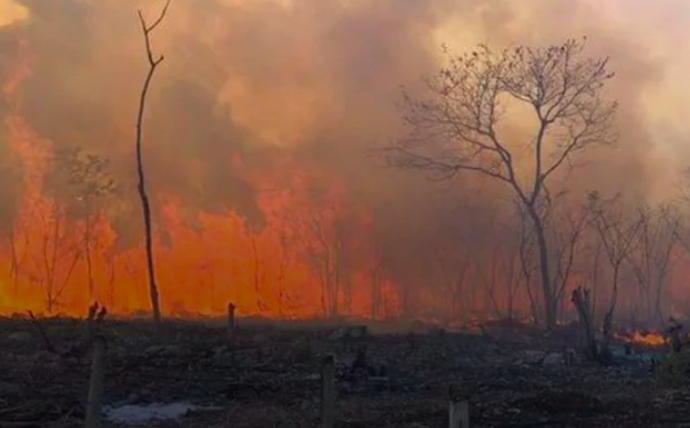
(42, 333)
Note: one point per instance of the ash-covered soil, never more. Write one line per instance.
(269, 376)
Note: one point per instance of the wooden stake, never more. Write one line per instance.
(89, 328)
(231, 320)
(95, 400)
(458, 414)
(328, 392)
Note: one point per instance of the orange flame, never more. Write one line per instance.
(644, 338)
(227, 261)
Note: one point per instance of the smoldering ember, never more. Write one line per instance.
(344, 213)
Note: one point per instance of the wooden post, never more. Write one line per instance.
(89, 328)
(328, 392)
(231, 320)
(95, 400)
(458, 414)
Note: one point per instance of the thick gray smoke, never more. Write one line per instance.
(256, 80)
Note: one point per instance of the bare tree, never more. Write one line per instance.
(376, 278)
(500, 269)
(617, 232)
(487, 268)
(595, 255)
(11, 174)
(141, 186)
(58, 254)
(84, 182)
(110, 267)
(75, 182)
(651, 259)
(326, 245)
(453, 264)
(511, 264)
(568, 230)
(286, 255)
(455, 127)
(581, 298)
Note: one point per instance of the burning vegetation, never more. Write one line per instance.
(262, 169)
(289, 216)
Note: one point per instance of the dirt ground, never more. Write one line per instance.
(269, 376)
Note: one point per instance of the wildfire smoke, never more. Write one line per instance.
(260, 125)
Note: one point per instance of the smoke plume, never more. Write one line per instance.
(247, 84)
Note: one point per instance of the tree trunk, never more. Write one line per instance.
(89, 266)
(375, 291)
(14, 267)
(148, 242)
(141, 185)
(550, 301)
(111, 280)
(583, 304)
(257, 271)
(608, 317)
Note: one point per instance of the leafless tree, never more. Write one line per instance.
(83, 182)
(502, 270)
(568, 230)
(376, 278)
(453, 265)
(456, 127)
(594, 256)
(581, 298)
(258, 271)
(487, 270)
(59, 254)
(111, 272)
(11, 175)
(513, 281)
(326, 247)
(153, 62)
(617, 231)
(453, 262)
(286, 256)
(652, 255)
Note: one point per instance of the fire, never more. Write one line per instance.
(651, 338)
(313, 250)
(293, 265)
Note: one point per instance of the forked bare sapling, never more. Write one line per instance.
(153, 62)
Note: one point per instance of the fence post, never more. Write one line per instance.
(95, 399)
(328, 392)
(458, 414)
(231, 320)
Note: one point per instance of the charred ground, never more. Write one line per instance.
(268, 375)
